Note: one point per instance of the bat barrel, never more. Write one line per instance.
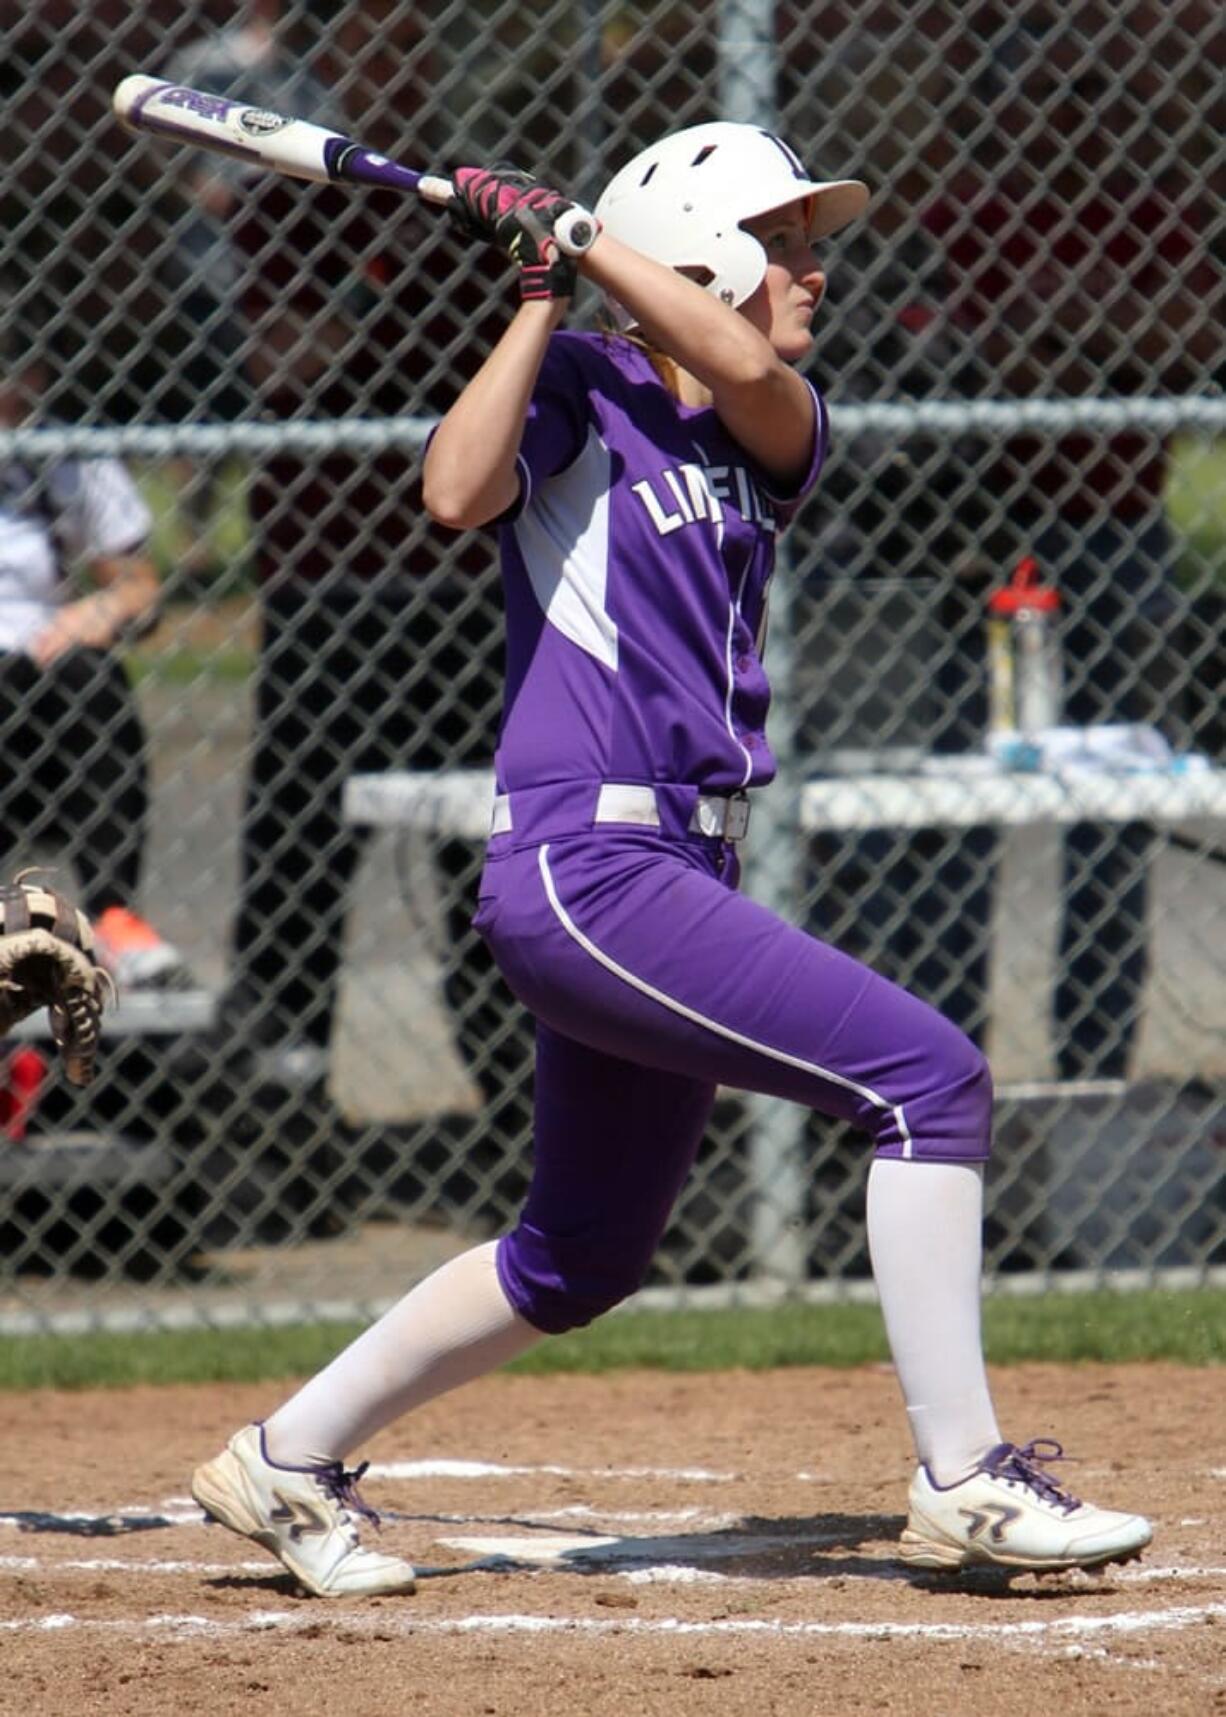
(128, 98)
(252, 134)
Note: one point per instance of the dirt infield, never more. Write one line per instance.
(640, 1545)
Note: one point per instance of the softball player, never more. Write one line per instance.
(638, 480)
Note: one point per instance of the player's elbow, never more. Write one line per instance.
(447, 507)
(455, 500)
(754, 371)
(452, 512)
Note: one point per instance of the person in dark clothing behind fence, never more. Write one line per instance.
(72, 740)
(892, 578)
(381, 643)
(1096, 276)
(1093, 277)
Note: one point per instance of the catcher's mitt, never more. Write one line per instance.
(47, 961)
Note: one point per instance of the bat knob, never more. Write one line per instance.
(575, 231)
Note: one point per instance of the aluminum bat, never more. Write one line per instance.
(292, 146)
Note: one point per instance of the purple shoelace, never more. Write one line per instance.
(342, 1487)
(1025, 1466)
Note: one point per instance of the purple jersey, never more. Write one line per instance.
(637, 565)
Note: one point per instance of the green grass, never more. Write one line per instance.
(1196, 498)
(186, 667)
(1188, 1328)
(171, 542)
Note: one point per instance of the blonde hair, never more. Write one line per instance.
(664, 366)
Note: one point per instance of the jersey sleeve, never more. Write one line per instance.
(558, 417)
(788, 502)
(106, 514)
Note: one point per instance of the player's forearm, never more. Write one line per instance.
(127, 596)
(128, 593)
(469, 475)
(760, 399)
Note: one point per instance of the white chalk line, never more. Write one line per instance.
(1072, 1630)
(121, 1565)
(560, 1554)
(188, 1513)
(629, 1516)
(639, 1560)
(469, 1469)
(180, 1510)
(494, 1470)
(183, 1511)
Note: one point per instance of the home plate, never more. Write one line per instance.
(561, 1549)
(549, 1550)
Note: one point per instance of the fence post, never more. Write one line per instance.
(776, 1177)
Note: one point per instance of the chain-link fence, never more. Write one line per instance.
(1022, 345)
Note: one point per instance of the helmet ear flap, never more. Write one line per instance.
(742, 267)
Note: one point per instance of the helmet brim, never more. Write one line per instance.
(835, 204)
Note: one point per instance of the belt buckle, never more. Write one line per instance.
(736, 816)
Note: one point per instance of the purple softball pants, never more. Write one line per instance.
(653, 982)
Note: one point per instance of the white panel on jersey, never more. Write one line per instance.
(97, 512)
(106, 514)
(563, 536)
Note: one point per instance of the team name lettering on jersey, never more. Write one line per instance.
(688, 493)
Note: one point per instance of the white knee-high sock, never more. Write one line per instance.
(454, 1326)
(925, 1236)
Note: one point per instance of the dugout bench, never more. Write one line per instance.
(174, 1149)
(89, 1188)
(1073, 1162)
(944, 793)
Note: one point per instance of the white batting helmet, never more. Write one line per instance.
(682, 200)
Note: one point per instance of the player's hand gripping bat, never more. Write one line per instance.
(291, 146)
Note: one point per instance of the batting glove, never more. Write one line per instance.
(513, 210)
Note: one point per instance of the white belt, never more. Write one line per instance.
(721, 816)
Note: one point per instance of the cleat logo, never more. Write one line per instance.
(977, 1520)
(300, 1517)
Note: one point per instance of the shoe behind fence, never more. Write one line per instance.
(136, 956)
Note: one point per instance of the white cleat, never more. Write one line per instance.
(304, 1515)
(1010, 1513)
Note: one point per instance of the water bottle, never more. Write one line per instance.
(1025, 681)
